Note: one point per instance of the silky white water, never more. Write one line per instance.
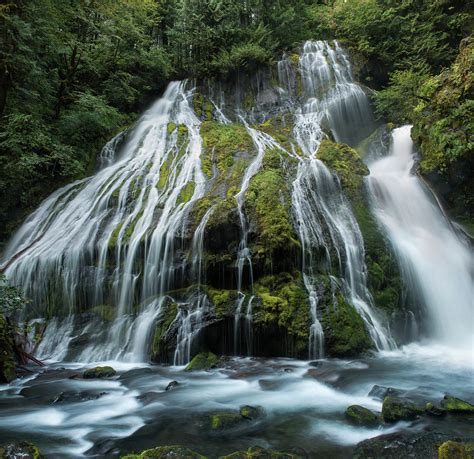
(436, 261)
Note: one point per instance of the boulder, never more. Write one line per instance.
(251, 412)
(203, 362)
(361, 416)
(23, 450)
(456, 405)
(166, 452)
(99, 373)
(455, 450)
(225, 421)
(398, 409)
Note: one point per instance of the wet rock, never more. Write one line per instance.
(23, 450)
(224, 421)
(432, 410)
(258, 452)
(203, 361)
(135, 373)
(397, 409)
(251, 412)
(172, 385)
(99, 373)
(380, 392)
(271, 384)
(77, 397)
(150, 397)
(454, 450)
(361, 416)
(166, 452)
(456, 405)
(403, 445)
(328, 375)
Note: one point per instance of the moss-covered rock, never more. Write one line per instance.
(344, 330)
(203, 361)
(224, 421)
(166, 452)
(251, 412)
(162, 326)
(7, 355)
(258, 452)
(397, 409)
(99, 373)
(456, 405)
(455, 450)
(361, 416)
(23, 450)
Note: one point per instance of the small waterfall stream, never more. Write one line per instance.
(437, 263)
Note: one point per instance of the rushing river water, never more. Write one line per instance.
(303, 402)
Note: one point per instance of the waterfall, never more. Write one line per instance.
(323, 215)
(127, 215)
(436, 262)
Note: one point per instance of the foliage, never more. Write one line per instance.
(11, 298)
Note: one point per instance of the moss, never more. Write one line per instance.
(163, 324)
(165, 452)
(281, 129)
(361, 416)
(23, 449)
(283, 302)
(7, 356)
(250, 412)
(223, 421)
(170, 128)
(99, 373)
(223, 301)
(164, 174)
(344, 329)
(395, 409)
(454, 404)
(455, 450)
(258, 452)
(186, 193)
(346, 162)
(203, 361)
(268, 204)
(104, 311)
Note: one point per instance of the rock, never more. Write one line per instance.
(251, 412)
(166, 452)
(224, 421)
(397, 409)
(454, 450)
(203, 361)
(23, 450)
(172, 385)
(271, 384)
(433, 410)
(456, 405)
(258, 452)
(380, 392)
(99, 373)
(361, 416)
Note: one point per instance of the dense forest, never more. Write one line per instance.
(73, 74)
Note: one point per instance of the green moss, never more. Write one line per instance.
(344, 329)
(455, 450)
(361, 416)
(281, 129)
(186, 193)
(203, 361)
(164, 174)
(284, 302)
(223, 301)
(23, 449)
(166, 452)
(250, 412)
(454, 404)
(104, 311)
(346, 162)
(99, 373)
(223, 421)
(162, 325)
(395, 409)
(7, 356)
(170, 128)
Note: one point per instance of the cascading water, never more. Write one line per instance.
(324, 217)
(436, 262)
(131, 211)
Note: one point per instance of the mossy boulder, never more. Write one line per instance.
(361, 416)
(203, 362)
(23, 450)
(396, 409)
(166, 452)
(456, 405)
(99, 373)
(250, 412)
(344, 329)
(345, 161)
(262, 453)
(224, 421)
(455, 450)
(7, 355)
(158, 347)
